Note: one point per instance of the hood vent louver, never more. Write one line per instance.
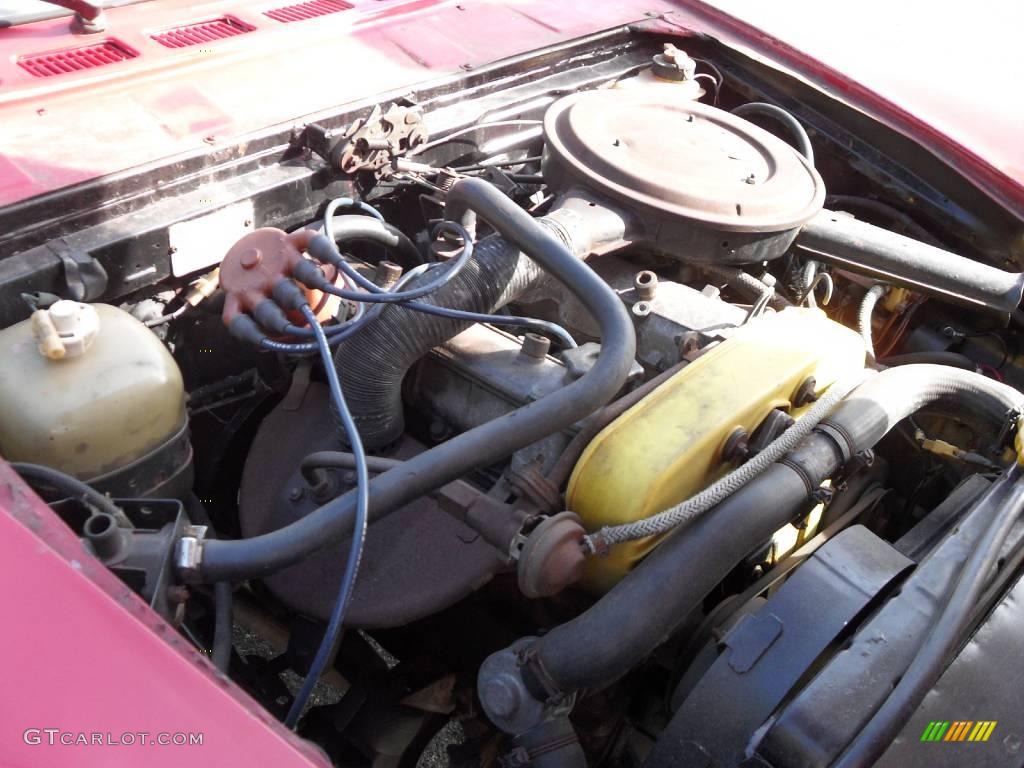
(76, 59)
(202, 32)
(309, 10)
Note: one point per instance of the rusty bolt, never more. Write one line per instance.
(737, 446)
(645, 284)
(535, 347)
(805, 393)
(177, 594)
(251, 258)
(688, 342)
(387, 274)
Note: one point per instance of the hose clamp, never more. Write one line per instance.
(515, 691)
(842, 439)
(188, 553)
(503, 693)
(539, 681)
(809, 485)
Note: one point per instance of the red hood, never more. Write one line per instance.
(893, 63)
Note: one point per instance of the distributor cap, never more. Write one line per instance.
(257, 262)
(671, 157)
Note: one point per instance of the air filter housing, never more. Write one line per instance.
(709, 186)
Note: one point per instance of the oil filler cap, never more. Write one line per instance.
(65, 330)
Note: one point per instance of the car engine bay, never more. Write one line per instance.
(627, 404)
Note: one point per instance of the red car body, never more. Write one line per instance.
(107, 664)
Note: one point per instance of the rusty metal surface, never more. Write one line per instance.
(674, 315)
(553, 556)
(369, 144)
(682, 158)
(709, 185)
(417, 561)
(480, 375)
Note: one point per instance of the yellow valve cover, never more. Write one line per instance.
(669, 445)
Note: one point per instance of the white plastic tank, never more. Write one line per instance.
(673, 70)
(87, 389)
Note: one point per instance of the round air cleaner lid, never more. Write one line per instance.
(673, 157)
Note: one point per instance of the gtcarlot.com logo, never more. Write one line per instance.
(958, 730)
(57, 737)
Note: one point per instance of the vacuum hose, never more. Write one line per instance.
(260, 556)
(650, 604)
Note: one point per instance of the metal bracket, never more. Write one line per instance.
(367, 144)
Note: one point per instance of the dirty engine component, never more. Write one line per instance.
(654, 406)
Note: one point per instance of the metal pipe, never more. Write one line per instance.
(855, 245)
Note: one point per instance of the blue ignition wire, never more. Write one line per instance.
(334, 625)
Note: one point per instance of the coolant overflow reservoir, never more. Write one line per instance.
(87, 389)
(672, 68)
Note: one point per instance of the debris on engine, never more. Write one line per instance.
(610, 423)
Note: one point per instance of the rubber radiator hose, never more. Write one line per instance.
(650, 604)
